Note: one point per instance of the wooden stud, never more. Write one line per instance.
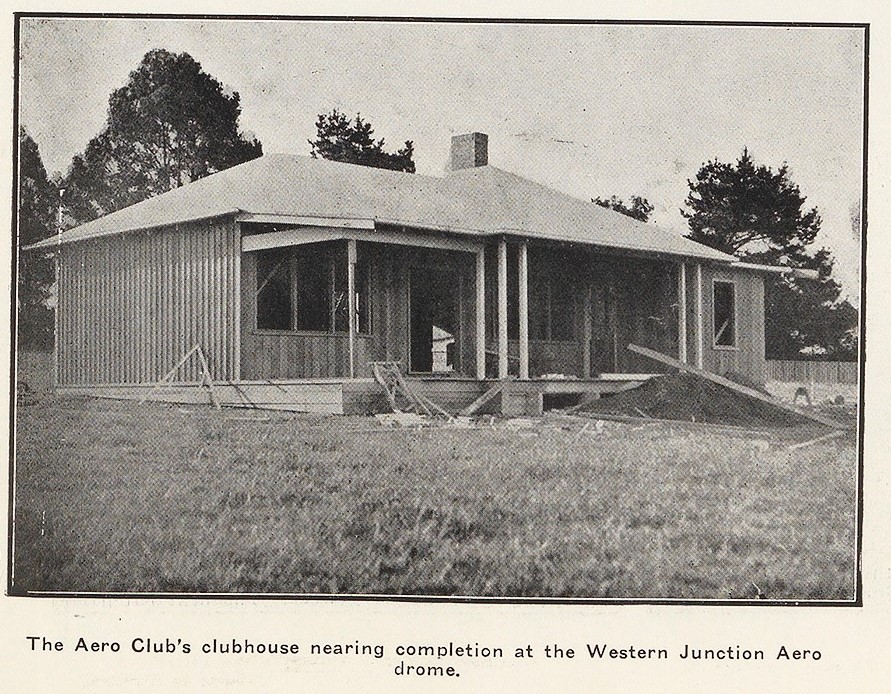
(587, 328)
(235, 254)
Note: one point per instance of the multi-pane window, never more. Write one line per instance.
(305, 288)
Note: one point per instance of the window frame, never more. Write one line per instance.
(734, 295)
(332, 256)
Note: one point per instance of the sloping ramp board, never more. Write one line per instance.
(732, 385)
(399, 395)
(317, 397)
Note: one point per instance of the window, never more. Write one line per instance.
(313, 285)
(274, 307)
(305, 288)
(724, 306)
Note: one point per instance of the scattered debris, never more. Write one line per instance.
(25, 395)
(820, 439)
(519, 423)
(402, 419)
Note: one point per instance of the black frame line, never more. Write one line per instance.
(856, 601)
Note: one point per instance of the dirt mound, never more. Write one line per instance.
(688, 397)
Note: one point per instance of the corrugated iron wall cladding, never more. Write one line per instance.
(131, 306)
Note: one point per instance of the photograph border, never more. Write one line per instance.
(856, 601)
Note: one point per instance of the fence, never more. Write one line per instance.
(808, 371)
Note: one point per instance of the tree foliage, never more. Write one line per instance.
(639, 209)
(351, 141)
(736, 206)
(759, 215)
(37, 205)
(172, 123)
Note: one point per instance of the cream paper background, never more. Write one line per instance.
(854, 641)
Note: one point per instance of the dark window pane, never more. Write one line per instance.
(274, 309)
(725, 314)
(363, 294)
(538, 306)
(562, 312)
(313, 289)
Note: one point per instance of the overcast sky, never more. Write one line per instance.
(587, 109)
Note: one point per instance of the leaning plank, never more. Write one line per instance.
(727, 383)
(482, 400)
(706, 426)
(813, 442)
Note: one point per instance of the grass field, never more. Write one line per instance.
(113, 496)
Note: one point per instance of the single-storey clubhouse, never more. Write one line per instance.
(293, 274)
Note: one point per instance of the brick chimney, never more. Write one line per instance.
(470, 150)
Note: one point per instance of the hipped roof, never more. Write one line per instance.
(480, 202)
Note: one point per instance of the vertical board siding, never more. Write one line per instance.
(807, 371)
(747, 357)
(132, 304)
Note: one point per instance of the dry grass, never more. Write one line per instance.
(111, 496)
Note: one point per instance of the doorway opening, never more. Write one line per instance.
(434, 320)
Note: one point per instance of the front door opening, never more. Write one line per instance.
(434, 320)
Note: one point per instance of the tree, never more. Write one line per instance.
(172, 123)
(640, 208)
(340, 139)
(743, 205)
(758, 215)
(37, 205)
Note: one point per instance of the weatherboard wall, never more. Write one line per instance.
(747, 356)
(132, 305)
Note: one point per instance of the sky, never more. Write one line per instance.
(591, 110)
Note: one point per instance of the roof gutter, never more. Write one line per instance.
(796, 272)
(65, 237)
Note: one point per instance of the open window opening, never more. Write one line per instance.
(274, 300)
(724, 314)
(306, 289)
